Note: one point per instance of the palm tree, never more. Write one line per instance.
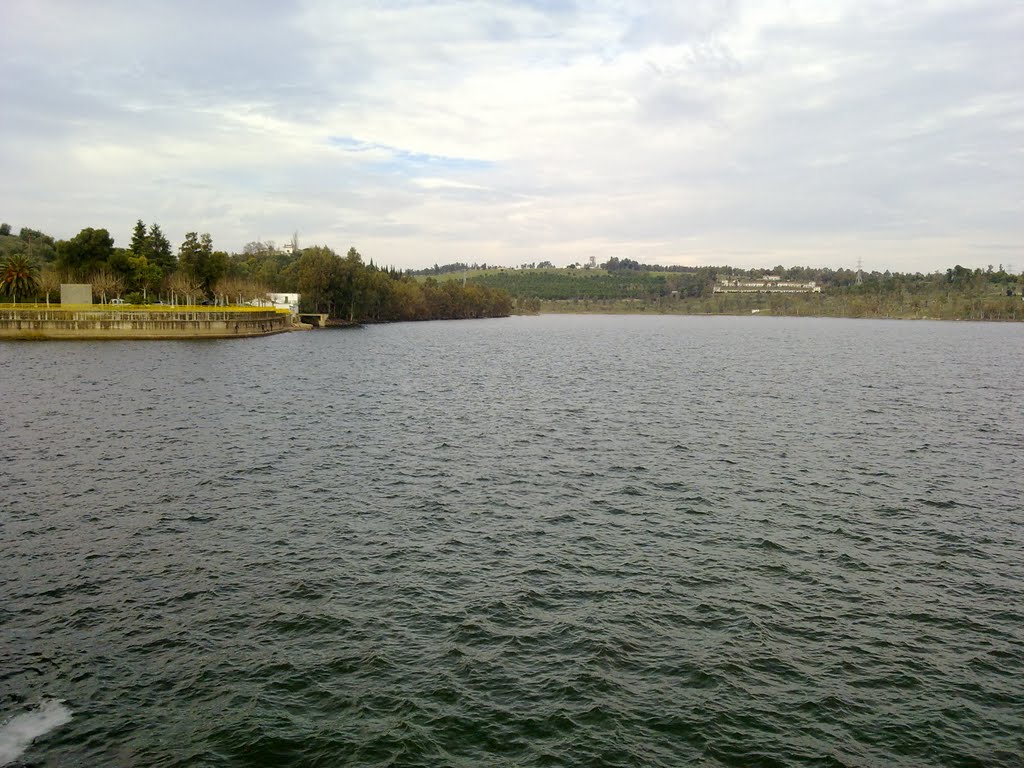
(18, 275)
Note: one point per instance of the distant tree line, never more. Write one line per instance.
(33, 265)
(347, 288)
(625, 285)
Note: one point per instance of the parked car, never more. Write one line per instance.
(117, 301)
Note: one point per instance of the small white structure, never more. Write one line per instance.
(289, 301)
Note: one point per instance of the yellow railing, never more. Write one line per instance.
(142, 307)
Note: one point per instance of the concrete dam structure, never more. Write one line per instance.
(105, 322)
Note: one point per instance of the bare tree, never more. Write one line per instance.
(182, 285)
(104, 283)
(253, 289)
(223, 289)
(239, 290)
(228, 290)
(49, 282)
(260, 248)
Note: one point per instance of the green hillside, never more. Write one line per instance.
(959, 293)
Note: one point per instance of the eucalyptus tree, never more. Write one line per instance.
(197, 258)
(192, 255)
(319, 271)
(87, 252)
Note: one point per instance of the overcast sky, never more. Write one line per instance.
(421, 131)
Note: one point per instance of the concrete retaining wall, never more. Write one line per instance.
(57, 323)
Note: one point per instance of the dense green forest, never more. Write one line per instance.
(33, 265)
(349, 289)
(624, 286)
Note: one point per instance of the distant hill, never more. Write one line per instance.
(959, 293)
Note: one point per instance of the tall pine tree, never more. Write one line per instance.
(160, 252)
(140, 240)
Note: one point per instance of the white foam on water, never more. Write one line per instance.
(18, 733)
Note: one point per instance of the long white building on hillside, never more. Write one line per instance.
(766, 284)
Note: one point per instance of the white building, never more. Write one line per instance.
(766, 284)
(289, 301)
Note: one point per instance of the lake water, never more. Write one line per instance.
(541, 541)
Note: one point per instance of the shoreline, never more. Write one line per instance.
(86, 322)
(637, 311)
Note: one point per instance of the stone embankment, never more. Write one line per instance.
(141, 323)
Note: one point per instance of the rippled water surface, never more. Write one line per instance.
(578, 541)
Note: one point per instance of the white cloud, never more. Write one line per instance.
(716, 132)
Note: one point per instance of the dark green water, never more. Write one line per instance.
(554, 541)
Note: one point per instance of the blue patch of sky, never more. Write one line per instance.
(402, 160)
(549, 6)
